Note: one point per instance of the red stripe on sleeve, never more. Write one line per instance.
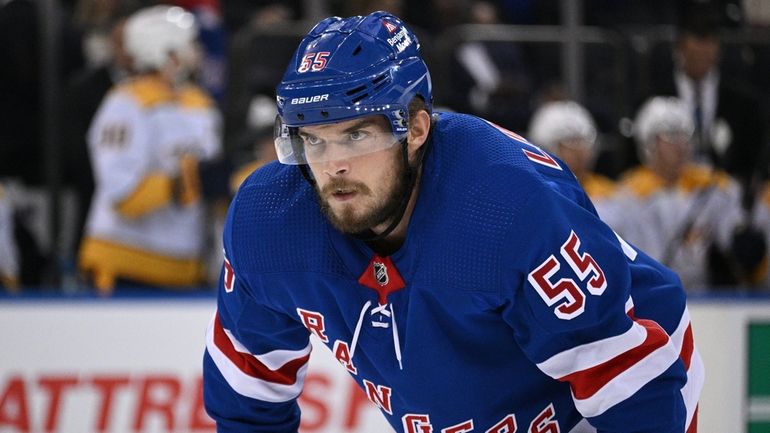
(694, 423)
(587, 382)
(247, 363)
(687, 348)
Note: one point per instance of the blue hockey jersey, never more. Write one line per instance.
(510, 307)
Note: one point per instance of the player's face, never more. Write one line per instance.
(672, 151)
(358, 192)
(698, 55)
(577, 154)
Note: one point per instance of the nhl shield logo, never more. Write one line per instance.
(380, 273)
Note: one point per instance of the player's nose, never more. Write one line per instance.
(336, 167)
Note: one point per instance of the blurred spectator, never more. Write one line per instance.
(81, 99)
(258, 56)
(757, 12)
(146, 223)
(9, 256)
(94, 20)
(212, 36)
(567, 129)
(256, 140)
(221, 179)
(259, 52)
(491, 78)
(727, 116)
(677, 210)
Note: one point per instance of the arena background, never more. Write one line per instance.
(72, 361)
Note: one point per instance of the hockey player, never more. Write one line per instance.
(676, 210)
(566, 129)
(456, 271)
(146, 222)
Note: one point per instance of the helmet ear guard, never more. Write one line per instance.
(288, 144)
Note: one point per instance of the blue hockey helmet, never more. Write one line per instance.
(347, 68)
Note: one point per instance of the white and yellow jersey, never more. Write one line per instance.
(677, 224)
(603, 194)
(146, 221)
(9, 259)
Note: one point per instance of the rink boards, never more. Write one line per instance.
(133, 365)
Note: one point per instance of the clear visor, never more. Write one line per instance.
(314, 145)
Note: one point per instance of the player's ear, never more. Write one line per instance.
(419, 127)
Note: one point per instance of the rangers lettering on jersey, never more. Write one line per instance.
(314, 322)
(342, 353)
(416, 423)
(544, 422)
(379, 395)
(463, 427)
(506, 425)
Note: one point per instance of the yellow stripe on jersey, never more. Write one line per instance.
(10, 283)
(698, 177)
(765, 194)
(148, 90)
(644, 182)
(194, 97)
(154, 192)
(598, 186)
(107, 261)
(759, 273)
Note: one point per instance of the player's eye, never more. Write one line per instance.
(359, 135)
(311, 140)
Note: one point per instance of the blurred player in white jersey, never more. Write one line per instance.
(567, 129)
(677, 210)
(146, 222)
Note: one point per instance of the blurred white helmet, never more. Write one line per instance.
(661, 115)
(559, 121)
(152, 33)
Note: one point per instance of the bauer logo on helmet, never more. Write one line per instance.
(309, 99)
